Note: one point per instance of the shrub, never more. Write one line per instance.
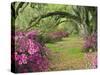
(43, 38)
(90, 43)
(58, 35)
(52, 37)
(92, 60)
(29, 54)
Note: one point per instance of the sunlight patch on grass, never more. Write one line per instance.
(66, 54)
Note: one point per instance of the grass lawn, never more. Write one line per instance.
(66, 54)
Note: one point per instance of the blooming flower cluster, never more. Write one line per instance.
(58, 35)
(92, 59)
(29, 54)
(90, 42)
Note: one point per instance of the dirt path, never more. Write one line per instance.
(66, 54)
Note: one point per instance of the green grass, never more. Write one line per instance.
(66, 54)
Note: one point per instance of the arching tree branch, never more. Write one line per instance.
(61, 14)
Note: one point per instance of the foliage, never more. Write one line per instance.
(29, 55)
(87, 23)
(52, 37)
(58, 35)
(92, 59)
(90, 43)
(50, 15)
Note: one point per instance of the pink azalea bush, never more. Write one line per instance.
(29, 54)
(91, 59)
(90, 42)
(51, 37)
(58, 35)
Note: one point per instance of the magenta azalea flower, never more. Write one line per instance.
(29, 55)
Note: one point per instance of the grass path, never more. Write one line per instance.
(66, 54)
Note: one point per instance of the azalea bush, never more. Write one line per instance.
(29, 55)
(58, 35)
(91, 59)
(52, 36)
(90, 43)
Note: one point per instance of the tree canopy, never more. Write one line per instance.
(38, 15)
